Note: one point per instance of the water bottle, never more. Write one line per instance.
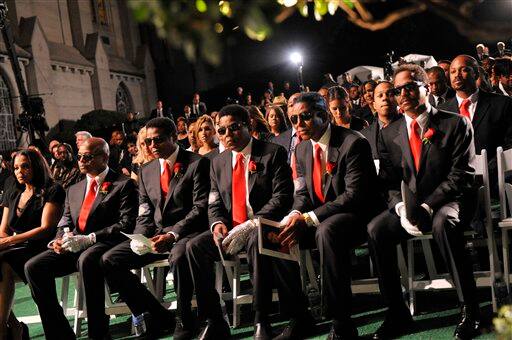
(66, 235)
(139, 325)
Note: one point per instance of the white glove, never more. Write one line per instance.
(78, 243)
(139, 248)
(237, 237)
(409, 228)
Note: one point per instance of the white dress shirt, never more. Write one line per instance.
(99, 181)
(474, 101)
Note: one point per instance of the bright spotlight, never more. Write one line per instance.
(296, 58)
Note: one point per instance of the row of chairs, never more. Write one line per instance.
(235, 268)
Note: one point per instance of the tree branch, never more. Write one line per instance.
(389, 20)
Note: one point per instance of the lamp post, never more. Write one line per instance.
(296, 58)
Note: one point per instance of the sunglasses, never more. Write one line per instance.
(156, 140)
(409, 87)
(305, 117)
(86, 157)
(222, 130)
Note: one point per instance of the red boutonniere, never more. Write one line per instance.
(427, 136)
(253, 167)
(105, 186)
(178, 170)
(329, 167)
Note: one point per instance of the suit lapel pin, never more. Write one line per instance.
(105, 186)
(427, 136)
(178, 170)
(329, 167)
(253, 167)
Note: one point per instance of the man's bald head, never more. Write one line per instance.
(93, 156)
(98, 145)
(463, 75)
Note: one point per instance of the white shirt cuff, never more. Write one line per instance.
(316, 222)
(92, 237)
(294, 212)
(176, 236)
(427, 208)
(398, 206)
(213, 225)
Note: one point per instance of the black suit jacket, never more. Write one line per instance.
(444, 175)
(372, 135)
(167, 113)
(350, 188)
(202, 110)
(270, 186)
(364, 113)
(184, 209)
(492, 122)
(447, 96)
(112, 212)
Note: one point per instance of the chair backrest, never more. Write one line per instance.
(504, 159)
(481, 167)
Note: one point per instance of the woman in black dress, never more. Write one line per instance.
(341, 109)
(32, 207)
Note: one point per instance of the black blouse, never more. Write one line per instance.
(30, 217)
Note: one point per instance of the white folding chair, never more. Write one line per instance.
(504, 159)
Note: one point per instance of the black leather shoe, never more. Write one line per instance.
(262, 331)
(215, 331)
(160, 326)
(183, 331)
(344, 333)
(297, 329)
(394, 326)
(469, 325)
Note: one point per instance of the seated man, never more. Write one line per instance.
(173, 197)
(97, 209)
(249, 180)
(429, 150)
(334, 201)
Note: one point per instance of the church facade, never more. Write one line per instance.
(78, 56)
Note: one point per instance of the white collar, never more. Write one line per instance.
(99, 178)
(473, 98)
(245, 151)
(324, 140)
(171, 159)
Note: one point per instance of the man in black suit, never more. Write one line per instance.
(385, 105)
(439, 91)
(159, 111)
(249, 180)
(173, 196)
(429, 150)
(333, 203)
(197, 106)
(97, 209)
(489, 113)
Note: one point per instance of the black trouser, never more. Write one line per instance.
(385, 232)
(118, 262)
(41, 272)
(266, 272)
(335, 237)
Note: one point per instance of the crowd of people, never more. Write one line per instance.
(327, 165)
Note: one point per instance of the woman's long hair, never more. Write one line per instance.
(199, 122)
(142, 155)
(41, 175)
(256, 115)
(277, 110)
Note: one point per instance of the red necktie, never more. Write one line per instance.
(293, 160)
(238, 191)
(86, 205)
(464, 108)
(415, 144)
(317, 173)
(164, 179)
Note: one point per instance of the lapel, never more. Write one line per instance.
(309, 169)
(256, 154)
(402, 140)
(228, 177)
(174, 180)
(99, 195)
(332, 157)
(76, 199)
(425, 147)
(482, 107)
(152, 183)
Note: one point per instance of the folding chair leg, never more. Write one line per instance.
(236, 292)
(64, 292)
(429, 259)
(80, 307)
(505, 248)
(410, 279)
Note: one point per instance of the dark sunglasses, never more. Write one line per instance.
(409, 87)
(86, 157)
(222, 130)
(156, 140)
(305, 117)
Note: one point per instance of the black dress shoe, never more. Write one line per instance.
(183, 331)
(343, 333)
(215, 330)
(297, 329)
(262, 331)
(394, 326)
(469, 325)
(157, 327)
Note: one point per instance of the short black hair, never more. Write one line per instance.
(417, 72)
(371, 82)
(502, 67)
(238, 112)
(437, 70)
(165, 124)
(314, 101)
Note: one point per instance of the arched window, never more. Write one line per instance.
(7, 132)
(123, 99)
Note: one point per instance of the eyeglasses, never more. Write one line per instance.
(222, 130)
(409, 87)
(305, 117)
(86, 157)
(156, 140)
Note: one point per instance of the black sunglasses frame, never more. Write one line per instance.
(305, 116)
(237, 126)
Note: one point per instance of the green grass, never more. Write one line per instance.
(436, 320)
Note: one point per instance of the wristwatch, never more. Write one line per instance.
(309, 221)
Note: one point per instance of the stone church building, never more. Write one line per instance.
(78, 56)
